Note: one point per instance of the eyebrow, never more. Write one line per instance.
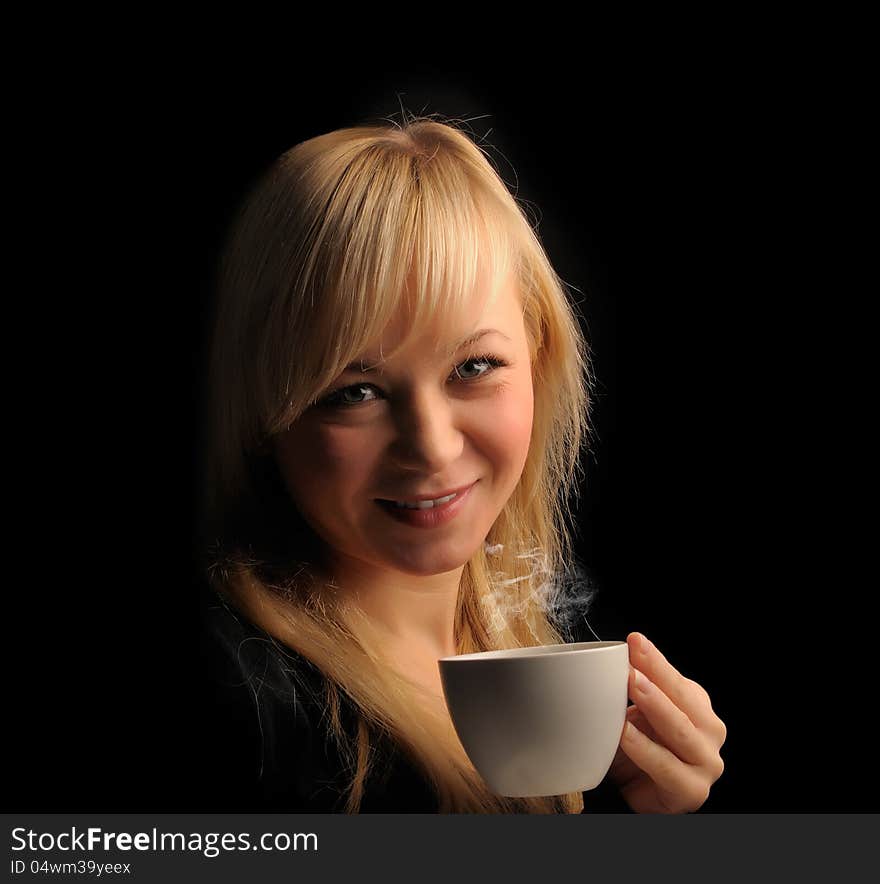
(360, 367)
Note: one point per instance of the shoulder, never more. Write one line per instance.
(236, 652)
(262, 743)
(269, 741)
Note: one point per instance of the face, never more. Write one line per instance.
(419, 423)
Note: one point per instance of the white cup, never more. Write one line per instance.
(539, 721)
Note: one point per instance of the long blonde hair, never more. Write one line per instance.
(314, 268)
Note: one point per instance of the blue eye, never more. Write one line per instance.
(337, 399)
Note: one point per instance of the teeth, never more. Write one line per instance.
(424, 504)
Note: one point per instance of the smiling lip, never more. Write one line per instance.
(420, 497)
(432, 517)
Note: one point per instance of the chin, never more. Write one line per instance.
(426, 563)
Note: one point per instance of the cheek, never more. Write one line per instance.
(511, 424)
(324, 462)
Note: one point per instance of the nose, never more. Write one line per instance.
(428, 437)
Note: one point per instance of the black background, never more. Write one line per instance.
(672, 198)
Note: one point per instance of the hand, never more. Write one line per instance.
(669, 752)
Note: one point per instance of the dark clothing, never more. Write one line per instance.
(269, 747)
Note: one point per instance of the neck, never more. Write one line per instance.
(413, 613)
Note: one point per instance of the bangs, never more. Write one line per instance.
(403, 238)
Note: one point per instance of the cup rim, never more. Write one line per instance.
(537, 652)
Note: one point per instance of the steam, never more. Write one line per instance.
(564, 597)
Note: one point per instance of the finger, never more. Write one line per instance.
(681, 787)
(673, 728)
(686, 694)
(633, 714)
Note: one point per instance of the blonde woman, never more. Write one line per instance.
(390, 332)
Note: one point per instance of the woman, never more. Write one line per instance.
(390, 333)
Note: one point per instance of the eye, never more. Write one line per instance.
(487, 363)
